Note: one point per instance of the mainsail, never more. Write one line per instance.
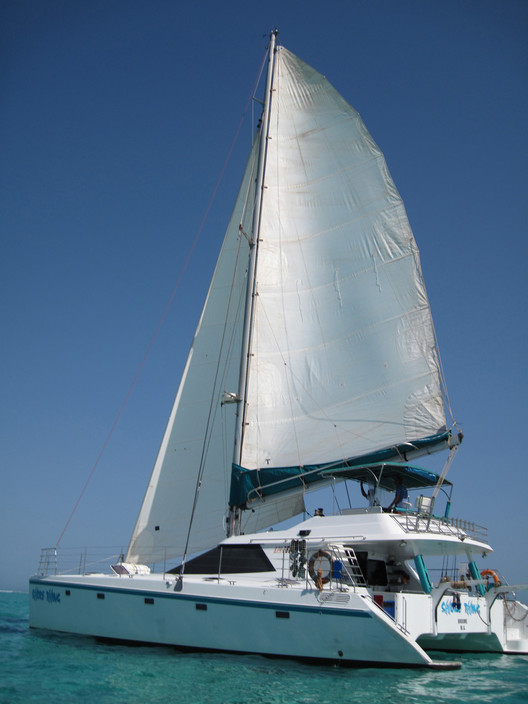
(342, 362)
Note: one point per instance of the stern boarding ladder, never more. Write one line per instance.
(328, 567)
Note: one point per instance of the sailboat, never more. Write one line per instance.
(314, 367)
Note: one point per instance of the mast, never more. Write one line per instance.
(251, 283)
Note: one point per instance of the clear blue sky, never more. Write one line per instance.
(116, 120)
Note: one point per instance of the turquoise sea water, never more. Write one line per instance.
(54, 668)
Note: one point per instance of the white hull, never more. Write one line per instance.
(285, 622)
(275, 621)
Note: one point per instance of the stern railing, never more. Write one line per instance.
(76, 561)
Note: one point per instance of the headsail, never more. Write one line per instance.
(191, 476)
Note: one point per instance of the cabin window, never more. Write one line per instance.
(374, 571)
(228, 559)
(377, 572)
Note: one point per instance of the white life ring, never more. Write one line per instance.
(320, 566)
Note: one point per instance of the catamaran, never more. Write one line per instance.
(314, 366)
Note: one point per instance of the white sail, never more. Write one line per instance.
(343, 360)
(191, 476)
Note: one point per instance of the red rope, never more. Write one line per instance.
(167, 307)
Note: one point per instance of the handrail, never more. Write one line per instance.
(414, 522)
(54, 562)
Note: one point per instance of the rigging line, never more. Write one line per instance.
(348, 495)
(259, 76)
(213, 409)
(171, 298)
(445, 470)
(219, 377)
(228, 354)
(514, 608)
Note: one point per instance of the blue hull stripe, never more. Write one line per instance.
(329, 610)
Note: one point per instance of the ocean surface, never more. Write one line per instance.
(54, 668)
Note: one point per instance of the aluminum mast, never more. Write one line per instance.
(250, 294)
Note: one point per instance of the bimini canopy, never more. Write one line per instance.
(384, 475)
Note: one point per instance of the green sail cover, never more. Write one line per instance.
(250, 484)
